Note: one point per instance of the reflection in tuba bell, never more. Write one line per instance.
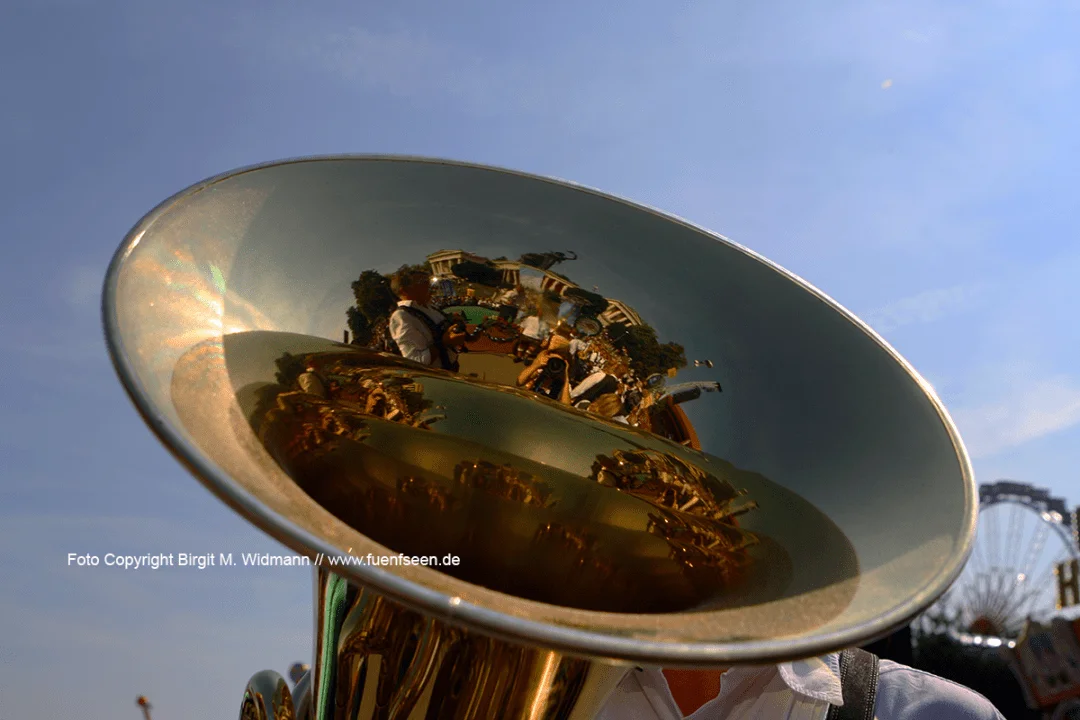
(534, 489)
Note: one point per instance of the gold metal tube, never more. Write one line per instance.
(377, 660)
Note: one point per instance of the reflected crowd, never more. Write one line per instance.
(520, 324)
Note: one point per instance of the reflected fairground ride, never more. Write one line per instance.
(1023, 534)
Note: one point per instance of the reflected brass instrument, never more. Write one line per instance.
(529, 510)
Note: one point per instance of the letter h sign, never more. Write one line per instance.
(1068, 582)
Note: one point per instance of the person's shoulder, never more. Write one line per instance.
(905, 693)
(402, 312)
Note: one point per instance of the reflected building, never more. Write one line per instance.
(619, 312)
(510, 271)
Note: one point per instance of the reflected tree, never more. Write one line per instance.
(479, 273)
(647, 354)
(591, 303)
(545, 261)
(374, 303)
(289, 368)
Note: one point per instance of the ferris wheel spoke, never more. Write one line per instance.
(1026, 590)
(977, 597)
(1017, 571)
(993, 590)
(1013, 535)
(1047, 574)
(974, 602)
(1042, 532)
(985, 590)
(991, 535)
(977, 561)
(1004, 585)
(1022, 608)
(978, 591)
(1014, 609)
(992, 596)
(1003, 597)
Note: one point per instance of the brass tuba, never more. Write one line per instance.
(529, 435)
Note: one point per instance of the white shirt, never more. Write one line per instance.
(534, 327)
(309, 382)
(801, 690)
(589, 382)
(412, 336)
(511, 297)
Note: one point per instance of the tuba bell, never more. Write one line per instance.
(463, 395)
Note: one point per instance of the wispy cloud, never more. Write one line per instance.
(1031, 407)
(70, 334)
(925, 307)
(1013, 365)
(82, 286)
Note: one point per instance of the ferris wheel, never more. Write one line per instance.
(1022, 534)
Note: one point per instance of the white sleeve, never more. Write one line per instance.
(905, 693)
(411, 340)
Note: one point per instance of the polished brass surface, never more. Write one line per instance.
(651, 527)
(267, 697)
(390, 663)
(647, 446)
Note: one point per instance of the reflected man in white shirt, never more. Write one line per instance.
(421, 332)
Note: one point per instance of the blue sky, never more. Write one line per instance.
(915, 160)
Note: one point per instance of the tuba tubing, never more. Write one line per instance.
(545, 467)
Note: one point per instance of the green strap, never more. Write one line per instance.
(333, 615)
